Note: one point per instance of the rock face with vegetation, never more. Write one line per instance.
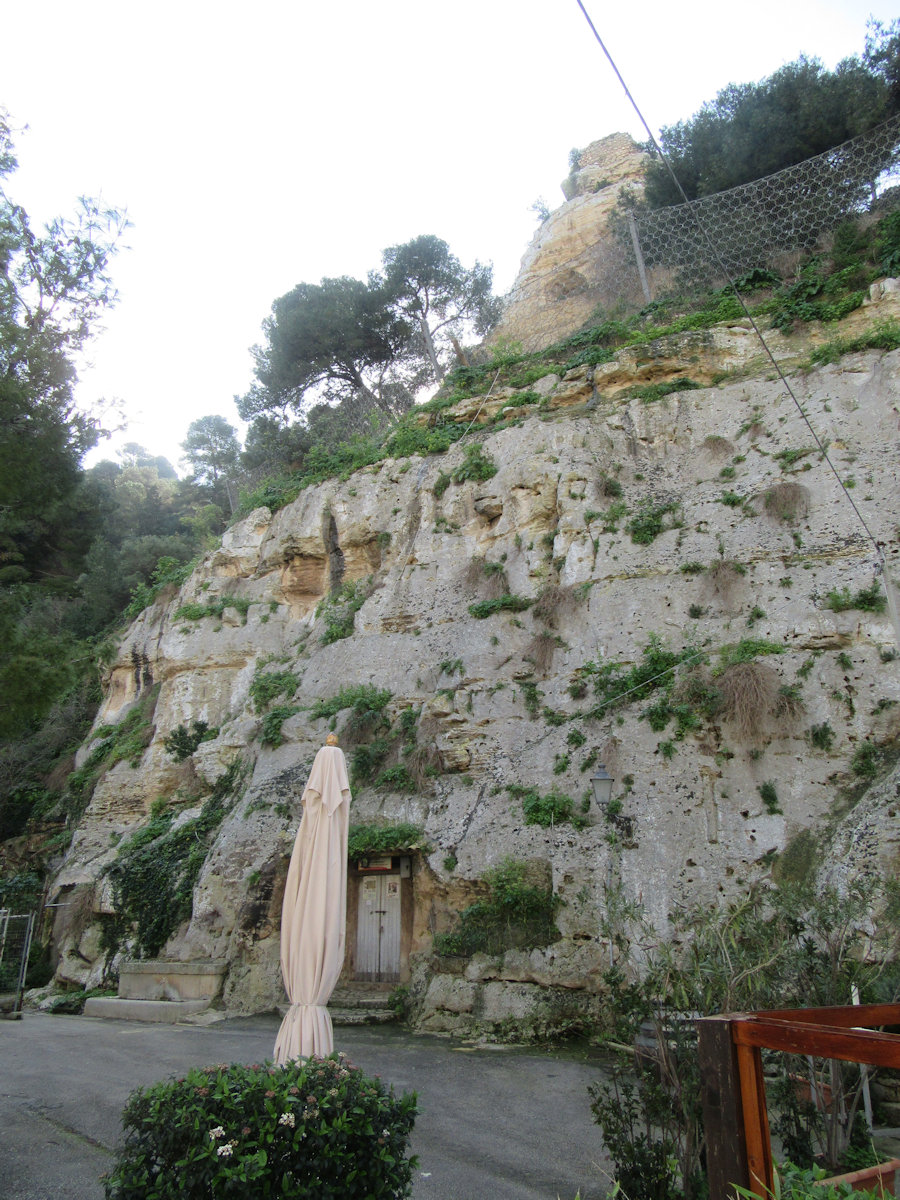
(643, 562)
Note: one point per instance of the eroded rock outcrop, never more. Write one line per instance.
(562, 278)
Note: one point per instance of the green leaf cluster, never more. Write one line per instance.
(340, 608)
(196, 611)
(505, 603)
(267, 686)
(517, 913)
(124, 742)
(363, 698)
(648, 521)
(153, 874)
(369, 841)
(270, 727)
(476, 465)
(313, 1128)
(184, 740)
(869, 599)
(548, 810)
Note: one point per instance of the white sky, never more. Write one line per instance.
(259, 145)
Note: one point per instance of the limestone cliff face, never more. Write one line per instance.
(561, 278)
(498, 699)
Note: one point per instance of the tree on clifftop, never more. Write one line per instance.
(440, 298)
(335, 340)
(752, 130)
(368, 347)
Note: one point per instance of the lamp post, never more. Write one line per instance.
(602, 785)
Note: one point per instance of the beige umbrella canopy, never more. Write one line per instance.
(314, 913)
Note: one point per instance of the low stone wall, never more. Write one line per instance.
(507, 998)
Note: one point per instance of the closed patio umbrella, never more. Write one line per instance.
(314, 913)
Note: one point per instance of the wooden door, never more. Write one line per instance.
(378, 929)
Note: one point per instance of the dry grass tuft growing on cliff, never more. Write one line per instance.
(555, 602)
(539, 651)
(749, 698)
(787, 501)
(425, 760)
(724, 577)
(717, 447)
(485, 579)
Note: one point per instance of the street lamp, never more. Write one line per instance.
(602, 785)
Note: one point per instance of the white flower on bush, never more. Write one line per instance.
(226, 1151)
(216, 1133)
(287, 1119)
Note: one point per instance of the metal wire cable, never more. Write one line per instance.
(713, 250)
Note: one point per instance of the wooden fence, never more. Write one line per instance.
(738, 1146)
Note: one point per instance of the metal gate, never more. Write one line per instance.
(15, 945)
(378, 930)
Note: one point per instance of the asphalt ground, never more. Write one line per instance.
(509, 1123)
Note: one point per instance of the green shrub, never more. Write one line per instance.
(887, 243)
(883, 335)
(650, 392)
(647, 522)
(213, 608)
(183, 740)
(21, 892)
(408, 439)
(475, 465)
(517, 913)
(267, 686)
(167, 572)
(745, 651)
(787, 458)
(821, 736)
(506, 603)
(367, 759)
(613, 515)
(441, 484)
(769, 797)
(397, 778)
(636, 1118)
(870, 599)
(366, 841)
(865, 760)
(270, 727)
(153, 874)
(340, 608)
(613, 685)
(124, 742)
(274, 493)
(361, 697)
(317, 1129)
(549, 810)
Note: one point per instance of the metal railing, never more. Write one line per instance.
(16, 931)
(738, 1144)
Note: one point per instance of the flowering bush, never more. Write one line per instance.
(319, 1129)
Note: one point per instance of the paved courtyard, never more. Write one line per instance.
(508, 1123)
